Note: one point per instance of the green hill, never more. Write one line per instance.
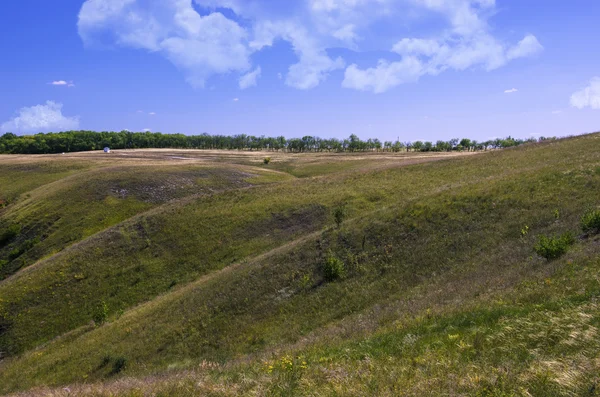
(211, 273)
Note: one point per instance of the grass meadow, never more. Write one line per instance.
(163, 272)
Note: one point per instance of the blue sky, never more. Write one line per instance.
(413, 69)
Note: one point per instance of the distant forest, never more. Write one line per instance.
(78, 141)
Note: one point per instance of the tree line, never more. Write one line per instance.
(78, 141)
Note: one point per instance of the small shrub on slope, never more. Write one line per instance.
(554, 247)
(339, 214)
(101, 313)
(333, 268)
(590, 222)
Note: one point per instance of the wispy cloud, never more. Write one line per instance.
(62, 83)
(510, 91)
(47, 117)
(236, 99)
(249, 79)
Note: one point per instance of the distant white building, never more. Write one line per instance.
(106, 150)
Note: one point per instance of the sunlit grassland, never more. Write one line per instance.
(19, 175)
(69, 210)
(540, 338)
(438, 270)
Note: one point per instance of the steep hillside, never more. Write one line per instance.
(322, 275)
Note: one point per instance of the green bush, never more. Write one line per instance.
(101, 313)
(267, 160)
(554, 247)
(339, 214)
(590, 222)
(333, 268)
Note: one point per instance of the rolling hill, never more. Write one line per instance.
(165, 272)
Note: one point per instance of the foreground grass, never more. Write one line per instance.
(538, 338)
(429, 236)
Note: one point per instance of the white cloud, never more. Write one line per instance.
(41, 118)
(346, 33)
(588, 97)
(312, 70)
(62, 83)
(467, 45)
(249, 79)
(529, 46)
(458, 53)
(314, 63)
(383, 77)
(426, 47)
(152, 113)
(465, 16)
(279, 76)
(314, 66)
(344, 17)
(146, 130)
(219, 42)
(236, 99)
(198, 45)
(510, 91)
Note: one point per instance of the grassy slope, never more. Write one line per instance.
(141, 258)
(71, 209)
(44, 295)
(19, 174)
(423, 237)
(539, 338)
